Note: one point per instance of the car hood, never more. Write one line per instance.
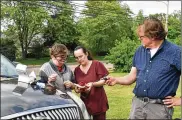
(30, 99)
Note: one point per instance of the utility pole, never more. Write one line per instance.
(167, 15)
(167, 5)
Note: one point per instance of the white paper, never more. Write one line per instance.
(32, 74)
(24, 78)
(32, 77)
(21, 69)
(25, 85)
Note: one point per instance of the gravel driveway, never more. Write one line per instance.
(36, 68)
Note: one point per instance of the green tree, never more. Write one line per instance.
(104, 23)
(122, 54)
(27, 20)
(137, 20)
(174, 27)
(160, 16)
(61, 26)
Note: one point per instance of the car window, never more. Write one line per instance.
(7, 68)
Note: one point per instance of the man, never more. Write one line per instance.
(156, 68)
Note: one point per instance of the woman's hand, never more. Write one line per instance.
(172, 101)
(77, 89)
(69, 84)
(52, 78)
(88, 87)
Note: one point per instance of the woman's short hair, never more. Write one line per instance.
(58, 49)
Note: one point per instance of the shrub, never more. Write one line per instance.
(36, 51)
(8, 48)
(121, 55)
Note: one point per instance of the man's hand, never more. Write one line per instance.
(172, 101)
(111, 81)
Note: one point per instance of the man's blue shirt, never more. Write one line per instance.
(159, 76)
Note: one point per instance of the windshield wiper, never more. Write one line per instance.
(9, 76)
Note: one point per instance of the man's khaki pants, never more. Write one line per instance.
(147, 110)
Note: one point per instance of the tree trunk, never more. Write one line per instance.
(23, 54)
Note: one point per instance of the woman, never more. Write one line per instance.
(56, 72)
(90, 73)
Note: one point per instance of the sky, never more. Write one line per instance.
(152, 7)
(148, 7)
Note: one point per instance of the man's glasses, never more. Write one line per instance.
(141, 37)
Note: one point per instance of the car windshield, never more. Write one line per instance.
(8, 69)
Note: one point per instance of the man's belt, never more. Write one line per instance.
(148, 100)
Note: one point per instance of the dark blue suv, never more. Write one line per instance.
(34, 104)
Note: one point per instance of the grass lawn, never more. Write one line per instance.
(33, 61)
(120, 98)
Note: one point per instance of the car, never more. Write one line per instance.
(34, 103)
